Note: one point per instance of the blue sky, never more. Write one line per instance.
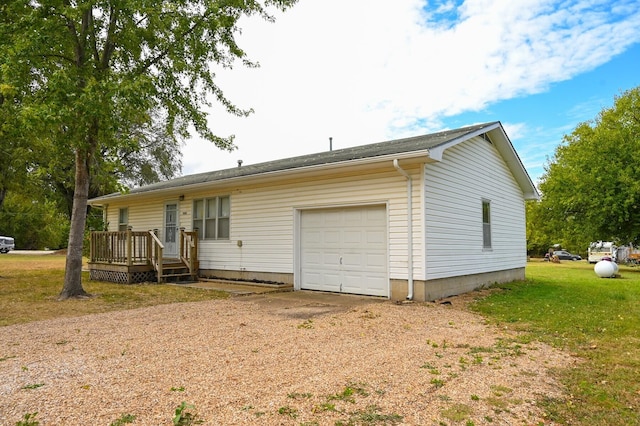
(365, 71)
(542, 119)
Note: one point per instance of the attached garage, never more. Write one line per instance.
(344, 250)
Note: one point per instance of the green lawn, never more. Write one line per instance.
(596, 319)
(29, 288)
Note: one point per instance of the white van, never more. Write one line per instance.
(6, 244)
(600, 249)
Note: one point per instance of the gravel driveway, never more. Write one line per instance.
(285, 359)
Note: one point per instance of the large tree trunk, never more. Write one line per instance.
(73, 271)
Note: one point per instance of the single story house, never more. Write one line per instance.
(418, 218)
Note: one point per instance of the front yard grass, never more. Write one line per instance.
(29, 288)
(597, 319)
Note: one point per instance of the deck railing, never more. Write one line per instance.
(124, 247)
(142, 248)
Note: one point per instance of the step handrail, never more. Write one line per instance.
(156, 249)
(189, 250)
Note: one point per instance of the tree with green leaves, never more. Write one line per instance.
(95, 73)
(154, 156)
(16, 153)
(591, 187)
(34, 221)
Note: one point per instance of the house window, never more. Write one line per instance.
(211, 218)
(123, 219)
(486, 224)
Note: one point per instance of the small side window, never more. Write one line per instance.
(123, 219)
(486, 224)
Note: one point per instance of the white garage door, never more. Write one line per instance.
(345, 250)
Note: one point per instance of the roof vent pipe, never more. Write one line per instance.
(409, 228)
(330, 143)
(239, 163)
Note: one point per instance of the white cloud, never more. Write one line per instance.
(363, 71)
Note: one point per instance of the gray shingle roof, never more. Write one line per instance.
(399, 146)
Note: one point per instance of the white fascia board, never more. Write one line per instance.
(437, 152)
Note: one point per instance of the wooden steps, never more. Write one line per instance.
(174, 271)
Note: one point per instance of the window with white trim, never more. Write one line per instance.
(123, 219)
(486, 224)
(211, 217)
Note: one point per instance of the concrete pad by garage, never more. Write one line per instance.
(306, 304)
(235, 288)
(283, 300)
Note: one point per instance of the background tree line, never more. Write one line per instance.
(591, 186)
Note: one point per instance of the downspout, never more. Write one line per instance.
(409, 227)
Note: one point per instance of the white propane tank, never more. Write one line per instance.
(605, 269)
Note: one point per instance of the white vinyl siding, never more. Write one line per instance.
(146, 214)
(470, 172)
(263, 219)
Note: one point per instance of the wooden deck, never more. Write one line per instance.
(132, 256)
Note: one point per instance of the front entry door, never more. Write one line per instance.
(170, 230)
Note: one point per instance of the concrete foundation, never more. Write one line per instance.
(427, 291)
(248, 276)
(423, 291)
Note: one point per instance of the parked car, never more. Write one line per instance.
(6, 244)
(565, 255)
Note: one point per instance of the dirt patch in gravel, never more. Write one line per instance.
(243, 361)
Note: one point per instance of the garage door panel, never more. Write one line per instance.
(376, 215)
(354, 284)
(313, 258)
(330, 260)
(314, 221)
(331, 238)
(373, 259)
(353, 260)
(345, 250)
(353, 236)
(313, 279)
(376, 237)
(311, 237)
(322, 281)
(332, 218)
(353, 215)
(377, 287)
